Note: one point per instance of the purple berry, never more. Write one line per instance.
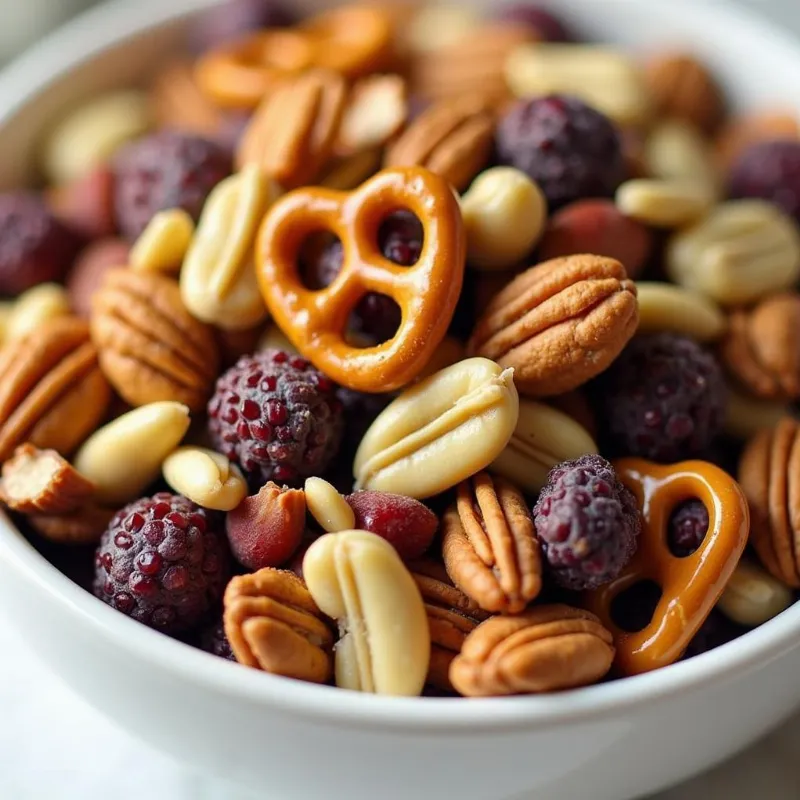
(663, 399)
(568, 148)
(688, 526)
(769, 170)
(587, 523)
(235, 18)
(550, 28)
(213, 640)
(714, 632)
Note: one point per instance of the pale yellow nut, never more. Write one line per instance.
(358, 579)
(205, 477)
(752, 596)
(504, 214)
(126, 455)
(675, 150)
(544, 437)
(435, 27)
(664, 203)
(604, 78)
(440, 431)
(743, 251)
(666, 307)
(274, 338)
(745, 416)
(91, 134)
(34, 308)
(327, 506)
(163, 244)
(218, 278)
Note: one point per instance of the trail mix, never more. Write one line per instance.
(412, 352)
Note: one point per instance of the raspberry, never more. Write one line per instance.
(550, 28)
(568, 148)
(166, 170)
(213, 640)
(587, 523)
(663, 398)
(688, 525)
(277, 417)
(34, 246)
(376, 315)
(235, 18)
(769, 170)
(408, 525)
(162, 561)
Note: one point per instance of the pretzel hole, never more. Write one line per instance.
(687, 527)
(632, 609)
(400, 237)
(320, 259)
(373, 321)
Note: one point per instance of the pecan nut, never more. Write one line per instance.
(769, 473)
(273, 624)
(560, 323)
(452, 138)
(292, 133)
(489, 545)
(42, 481)
(762, 349)
(84, 526)
(151, 348)
(544, 650)
(52, 392)
(176, 101)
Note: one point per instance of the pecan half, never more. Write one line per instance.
(41, 481)
(560, 323)
(273, 624)
(52, 392)
(769, 473)
(452, 138)
(489, 545)
(84, 526)
(292, 133)
(762, 348)
(151, 347)
(544, 650)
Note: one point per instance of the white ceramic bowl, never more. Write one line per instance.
(295, 741)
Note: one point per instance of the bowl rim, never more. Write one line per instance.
(111, 24)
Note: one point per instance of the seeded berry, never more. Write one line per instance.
(663, 399)
(549, 27)
(587, 523)
(163, 561)
(568, 148)
(277, 417)
(688, 526)
(213, 640)
(771, 171)
(166, 170)
(34, 246)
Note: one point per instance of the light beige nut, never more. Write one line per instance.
(163, 244)
(547, 649)
(327, 506)
(489, 545)
(676, 150)
(665, 203)
(274, 338)
(544, 437)
(205, 477)
(606, 79)
(436, 26)
(440, 431)
(345, 174)
(752, 596)
(126, 455)
(743, 251)
(90, 135)
(218, 279)
(42, 482)
(34, 308)
(384, 644)
(84, 526)
(273, 624)
(504, 214)
(745, 416)
(666, 307)
(559, 324)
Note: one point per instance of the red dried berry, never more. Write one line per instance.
(163, 561)
(165, 170)
(86, 205)
(550, 28)
(90, 267)
(277, 417)
(569, 149)
(687, 528)
(213, 640)
(587, 522)
(408, 525)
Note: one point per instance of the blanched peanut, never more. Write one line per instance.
(163, 244)
(437, 26)
(664, 203)
(327, 506)
(36, 307)
(440, 431)
(753, 596)
(358, 579)
(675, 150)
(205, 477)
(504, 215)
(665, 307)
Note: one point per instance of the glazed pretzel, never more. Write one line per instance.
(426, 292)
(690, 586)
